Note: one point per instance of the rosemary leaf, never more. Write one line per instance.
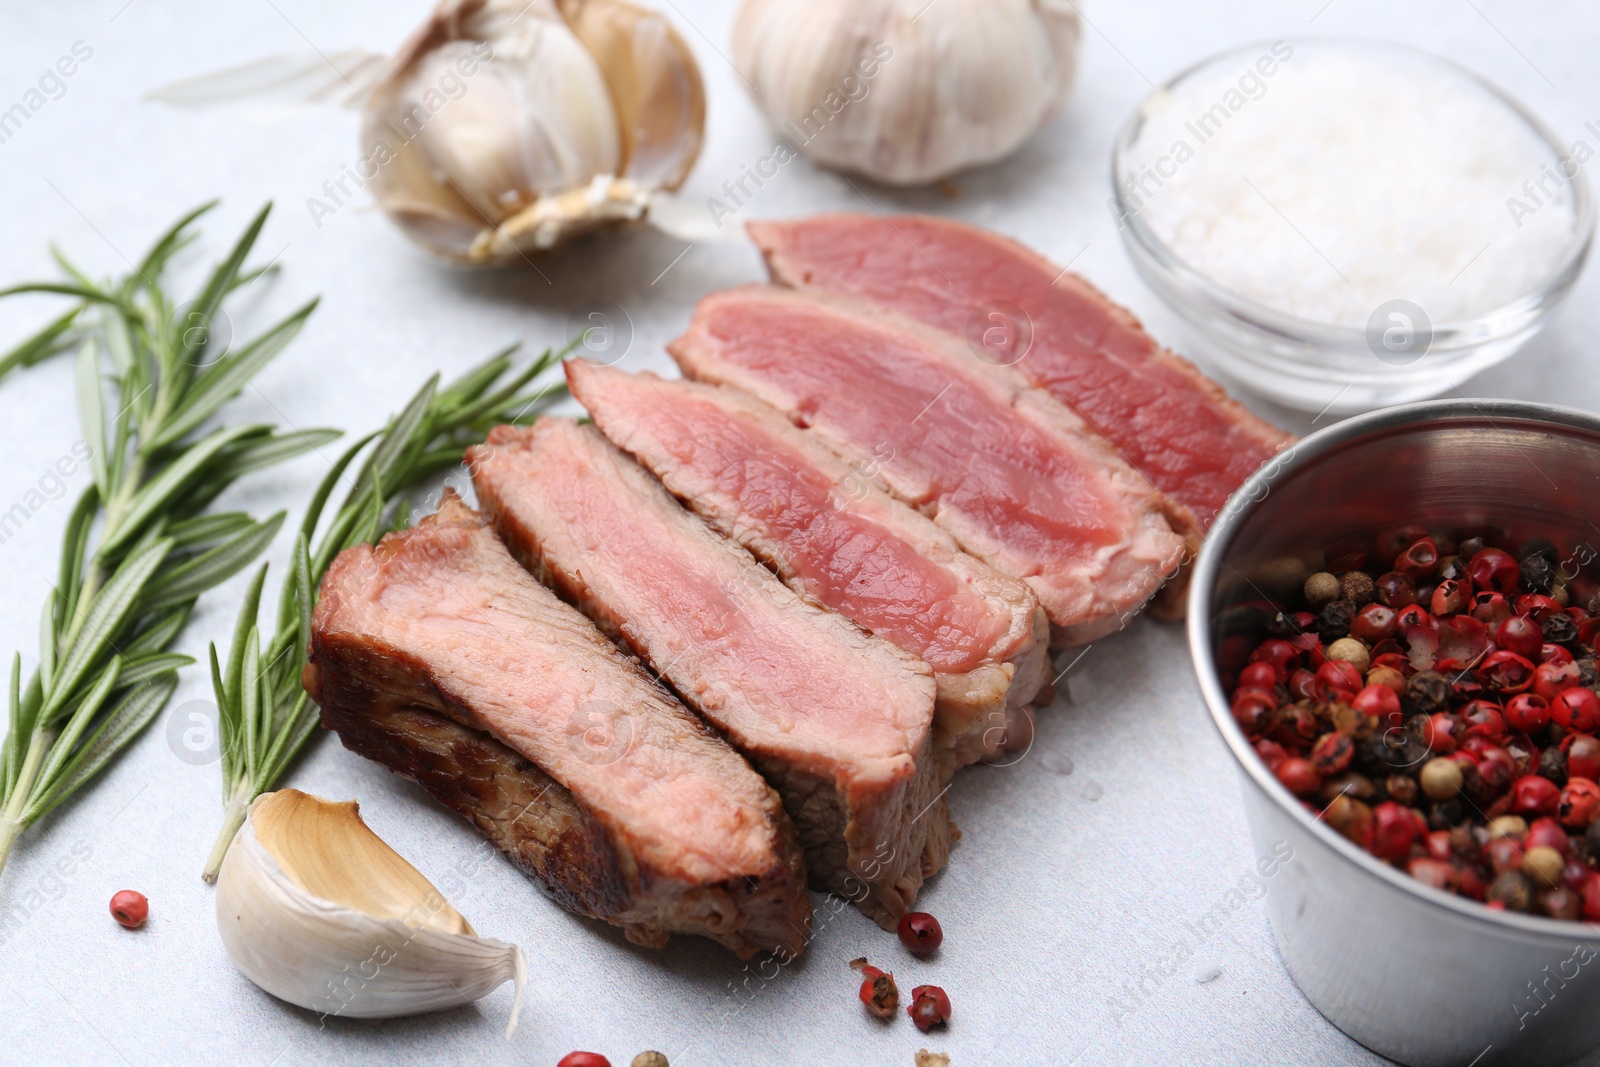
(147, 391)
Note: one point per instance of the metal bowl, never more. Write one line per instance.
(1416, 974)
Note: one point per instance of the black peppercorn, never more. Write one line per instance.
(1594, 604)
(1334, 622)
(1426, 692)
(1558, 627)
(1542, 547)
(1402, 789)
(1463, 842)
(1553, 765)
(1538, 574)
(1513, 890)
(1357, 587)
(1588, 675)
(1470, 547)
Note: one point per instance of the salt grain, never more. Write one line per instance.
(1345, 179)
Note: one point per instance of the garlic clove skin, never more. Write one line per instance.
(490, 135)
(655, 86)
(319, 911)
(903, 91)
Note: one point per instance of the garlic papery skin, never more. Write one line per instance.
(906, 91)
(319, 911)
(504, 127)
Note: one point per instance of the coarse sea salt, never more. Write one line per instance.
(1324, 182)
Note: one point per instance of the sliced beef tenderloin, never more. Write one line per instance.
(835, 537)
(435, 654)
(1015, 477)
(1174, 424)
(838, 720)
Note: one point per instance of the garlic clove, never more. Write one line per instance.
(655, 86)
(903, 91)
(319, 911)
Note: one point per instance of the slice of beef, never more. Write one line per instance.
(435, 654)
(838, 539)
(1015, 477)
(1166, 418)
(838, 720)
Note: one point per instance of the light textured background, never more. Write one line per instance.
(1081, 868)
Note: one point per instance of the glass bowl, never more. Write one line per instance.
(1400, 355)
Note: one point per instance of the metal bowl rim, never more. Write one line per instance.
(1527, 414)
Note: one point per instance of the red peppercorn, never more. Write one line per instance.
(1374, 623)
(130, 908)
(920, 932)
(1495, 769)
(1396, 590)
(1438, 844)
(1252, 710)
(1336, 676)
(1554, 654)
(879, 993)
(1579, 803)
(1591, 897)
(1506, 672)
(930, 1007)
(1281, 654)
(1271, 753)
(584, 1059)
(1521, 635)
(1538, 606)
(1258, 676)
(1483, 719)
(1298, 776)
(1414, 616)
(1379, 701)
(1583, 756)
(1295, 727)
(1394, 831)
(1432, 872)
(1332, 753)
(1491, 609)
(1419, 560)
(1534, 794)
(1444, 731)
(1449, 597)
(1549, 679)
(1469, 883)
(1548, 833)
(1302, 685)
(1528, 712)
(1577, 709)
(1573, 875)
(1494, 570)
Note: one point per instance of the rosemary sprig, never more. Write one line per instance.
(139, 547)
(265, 716)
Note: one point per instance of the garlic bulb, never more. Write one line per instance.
(505, 126)
(319, 911)
(907, 91)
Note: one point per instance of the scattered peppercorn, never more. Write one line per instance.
(130, 908)
(1437, 702)
(878, 992)
(584, 1059)
(650, 1059)
(930, 1007)
(920, 932)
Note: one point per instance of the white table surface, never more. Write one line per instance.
(1080, 867)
